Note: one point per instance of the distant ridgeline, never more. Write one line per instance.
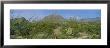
(97, 19)
(56, 17)
(59, 18)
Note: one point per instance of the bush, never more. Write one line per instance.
(24, 29)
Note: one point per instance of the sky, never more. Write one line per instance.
(66, 13)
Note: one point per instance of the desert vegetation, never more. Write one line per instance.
(54, 27)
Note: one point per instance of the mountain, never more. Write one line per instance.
(53, 18)
(92, 19)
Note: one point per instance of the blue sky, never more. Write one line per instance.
(66, 13)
